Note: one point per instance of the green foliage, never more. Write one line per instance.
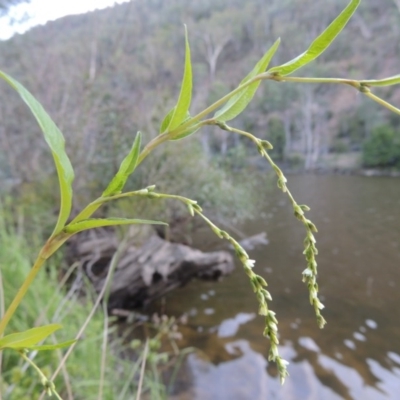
(183, 167)
(338, 145)
(357, 126)
(240, 101)
(393, 80)
(138, 78)
(276, 135)
(382, 148)
(56, 142)
(47, 301)
(29, 338)
(295, 161)
(180, 111)
(126, 168)
(99, 222)
(176, 125)
(320, 44)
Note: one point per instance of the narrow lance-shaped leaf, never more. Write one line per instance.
(56, 142)
(320, 44)
(29, 338)
(100, 222)
(239, 102)
(393, 80)
(53, 346)
(188, 131)
(167, 120)
(185, 97)
(126, 168)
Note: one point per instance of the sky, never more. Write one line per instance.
(38, 12)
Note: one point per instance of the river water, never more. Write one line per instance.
(357, 355)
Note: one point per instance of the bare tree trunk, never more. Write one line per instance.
(365, 31)
(397, 3)
(308, 129)
(316, 142)
(223, 135)
(93, 57)
(205, 141)
(288, 133)
(212, 54)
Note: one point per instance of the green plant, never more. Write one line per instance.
(49, 301)
(179, 124)
(382, 148)
(276, 135)
(338, 145)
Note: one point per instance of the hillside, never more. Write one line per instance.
(106, 74)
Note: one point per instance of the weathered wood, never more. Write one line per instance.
(148, 272)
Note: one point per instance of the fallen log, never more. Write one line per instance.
(147, 272)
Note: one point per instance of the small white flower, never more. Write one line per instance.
(249, 263)
(284, 363)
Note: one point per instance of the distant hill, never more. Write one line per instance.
(105, 74)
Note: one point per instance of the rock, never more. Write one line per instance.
(148, 272)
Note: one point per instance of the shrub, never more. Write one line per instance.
(382, 149)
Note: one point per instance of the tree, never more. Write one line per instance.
(382, 149)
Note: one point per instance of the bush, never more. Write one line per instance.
(276, 135)
(382, 149)
(338, 146)
(56, 305)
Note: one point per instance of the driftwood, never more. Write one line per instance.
(147, 272)
(252, 242)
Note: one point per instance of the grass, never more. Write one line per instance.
(56, 303)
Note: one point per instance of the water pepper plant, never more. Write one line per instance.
(178, 124)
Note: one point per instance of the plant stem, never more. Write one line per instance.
(21, 292)
(43, 377)
(382, 102)
(51, 246)
(362, 86)
(278, 78)
(1, 316)
(152, 145)
(142, 369)
(218, 103)
(113, 264)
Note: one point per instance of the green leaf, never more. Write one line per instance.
(27, 339)
(239, 101)
(167, 120)
(320, 44)
(393, 80)
(53, 346)
(99, 222)
(126, 168)
(185, 97)
(189, 131)
(56, 142)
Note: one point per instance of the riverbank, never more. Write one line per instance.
(332, 163)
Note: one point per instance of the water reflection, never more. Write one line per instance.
(246, 377)
(230, 326)
(357, 355)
